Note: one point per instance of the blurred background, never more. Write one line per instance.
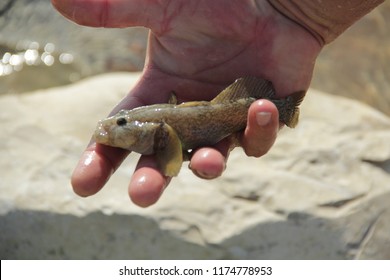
(41, 49)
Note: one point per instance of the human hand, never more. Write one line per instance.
(196, 48)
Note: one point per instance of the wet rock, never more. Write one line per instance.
(322, 192)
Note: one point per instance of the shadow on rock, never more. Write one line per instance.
(43, 235)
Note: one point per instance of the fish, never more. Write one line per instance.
(170, 130)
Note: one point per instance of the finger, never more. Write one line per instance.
(262, 128)
(210, 162)
(147, 183)
(103, 13)
(257, 139)
(95, 167)
(115, 13)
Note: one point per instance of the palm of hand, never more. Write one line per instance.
(208, 46)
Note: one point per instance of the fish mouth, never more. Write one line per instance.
(101, 134)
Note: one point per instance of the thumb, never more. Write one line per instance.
(113, 13)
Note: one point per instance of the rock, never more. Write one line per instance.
(322, 192)
(363, 50)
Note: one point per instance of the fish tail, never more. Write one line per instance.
(257, 88)
(289, 108)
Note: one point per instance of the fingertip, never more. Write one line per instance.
(146, 187)
(90, 174)
(262, 128)
(208, 163)
(147, 183)
(95, 167)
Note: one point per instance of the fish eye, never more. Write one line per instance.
(121, 121)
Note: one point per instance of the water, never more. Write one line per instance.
(29, 66)
(40, 49)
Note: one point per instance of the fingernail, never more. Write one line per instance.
(205, 174)
(263, 118)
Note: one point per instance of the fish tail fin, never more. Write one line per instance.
(257, 88)
(289, 108)
(246, 87)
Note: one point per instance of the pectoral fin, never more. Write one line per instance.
(168, 151)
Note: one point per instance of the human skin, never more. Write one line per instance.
(197, 48)
(325, 19)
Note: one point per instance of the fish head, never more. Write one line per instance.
(122, 132)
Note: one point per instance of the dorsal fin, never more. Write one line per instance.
(246, 87)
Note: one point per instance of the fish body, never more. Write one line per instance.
(169, 130)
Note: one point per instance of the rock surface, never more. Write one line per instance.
(323, 192)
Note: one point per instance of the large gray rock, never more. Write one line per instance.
(323, 192)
